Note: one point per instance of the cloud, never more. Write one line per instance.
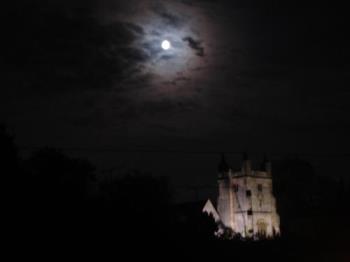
(168, 17)
(195, 45)
(56, 49)
(135, 28)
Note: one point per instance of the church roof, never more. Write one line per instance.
(210, 209)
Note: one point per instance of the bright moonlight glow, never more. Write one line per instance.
(166, 45)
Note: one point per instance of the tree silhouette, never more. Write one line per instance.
(136, 204)
(57, 190)
(9, 171)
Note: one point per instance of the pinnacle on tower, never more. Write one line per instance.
(246, 167)
(245, 156)
(263, 163)
(267, 165)
(223, 167)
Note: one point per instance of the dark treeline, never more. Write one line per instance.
(52, 194)
(310, 206)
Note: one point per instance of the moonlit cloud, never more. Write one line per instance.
(172, 21)
(233, 66)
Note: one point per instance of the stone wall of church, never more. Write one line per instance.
(224, 203)
(246, 203)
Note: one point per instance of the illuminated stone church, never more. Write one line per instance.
(246, 203)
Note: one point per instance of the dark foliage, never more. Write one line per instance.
(48, 194)
(134, 204)
(307, 203)
(8, 153)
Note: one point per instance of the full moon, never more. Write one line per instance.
(166, 45)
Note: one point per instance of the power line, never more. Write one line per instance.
(177, 151)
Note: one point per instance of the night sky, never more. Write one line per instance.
(255, 76)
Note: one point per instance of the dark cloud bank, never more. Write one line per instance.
(61, 47)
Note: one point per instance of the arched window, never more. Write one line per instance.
(262, 227)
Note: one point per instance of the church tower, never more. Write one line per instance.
(246, 203)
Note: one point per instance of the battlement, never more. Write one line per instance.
(253, 173)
